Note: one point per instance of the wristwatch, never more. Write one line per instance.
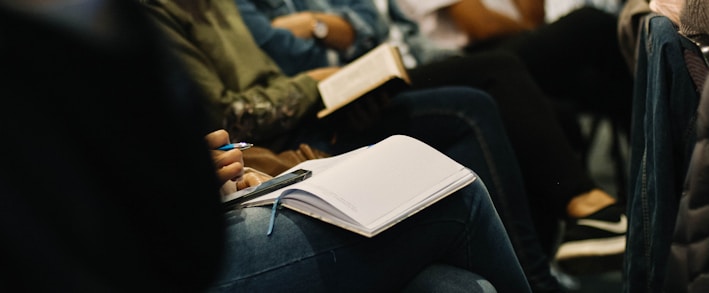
(320, 29)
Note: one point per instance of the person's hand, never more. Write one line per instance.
(252, 177)
(230, 164)
(321, 73)
(300, 24)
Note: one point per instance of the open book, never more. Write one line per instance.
(372, 188)
(379, 67)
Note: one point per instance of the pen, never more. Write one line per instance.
(239, 145)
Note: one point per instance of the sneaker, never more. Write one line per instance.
(595, 243)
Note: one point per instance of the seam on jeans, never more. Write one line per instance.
(502, 198)
(493, 171)
(478, 135)
(645, 219)
(332, 251)
(232, 281)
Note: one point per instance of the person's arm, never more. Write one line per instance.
(481, 23)
(532, 11)
(280, 38)
(292, 54)
(369, 26)
(340, 35)
(230, 164)
(248, 95)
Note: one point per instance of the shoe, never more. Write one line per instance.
(595, 243)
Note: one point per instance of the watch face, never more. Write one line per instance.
(320, 30)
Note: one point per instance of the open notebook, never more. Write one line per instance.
(372, 188)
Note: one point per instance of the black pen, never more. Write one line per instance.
(239, 145)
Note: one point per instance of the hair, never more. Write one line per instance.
(694, 19)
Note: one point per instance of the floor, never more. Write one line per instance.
(602, 171)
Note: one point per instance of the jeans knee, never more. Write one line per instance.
(468, 98)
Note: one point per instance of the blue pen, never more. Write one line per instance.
(239, 145)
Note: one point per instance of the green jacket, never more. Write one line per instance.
(248, 94)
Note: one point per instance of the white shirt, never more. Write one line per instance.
(439, 27)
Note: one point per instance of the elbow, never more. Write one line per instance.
(484, 33)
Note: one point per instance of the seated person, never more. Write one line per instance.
(307, 255)
(480, 20)
(569, 57)
(545, 154)
(120, 193)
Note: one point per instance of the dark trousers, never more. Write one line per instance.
(576, 60)
(464, 124)
(552, 171)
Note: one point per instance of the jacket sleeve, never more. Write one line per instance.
(292, 54)
(370, 28)
(260, 110)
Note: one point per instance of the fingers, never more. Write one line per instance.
(322, 73)
(251, 179)
(217, 138)
(229, 164)
(232, 172)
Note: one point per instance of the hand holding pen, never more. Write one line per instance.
(229, 163)
(239, 145)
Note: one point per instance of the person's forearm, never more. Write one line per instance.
(480, 23)
(340, 36)
(532, 11)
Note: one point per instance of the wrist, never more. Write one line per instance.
(319, 29)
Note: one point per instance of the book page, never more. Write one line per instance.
(375, 187)
(383, 178)
(314, 205)
(357, 78)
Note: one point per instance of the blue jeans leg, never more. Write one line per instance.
(307, 255)
(464, 124)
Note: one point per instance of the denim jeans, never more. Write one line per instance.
(464, 124)
(662, 135)
(306, 255)
(450, 279)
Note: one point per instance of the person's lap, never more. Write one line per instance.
(305, 254)
(459, 121)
